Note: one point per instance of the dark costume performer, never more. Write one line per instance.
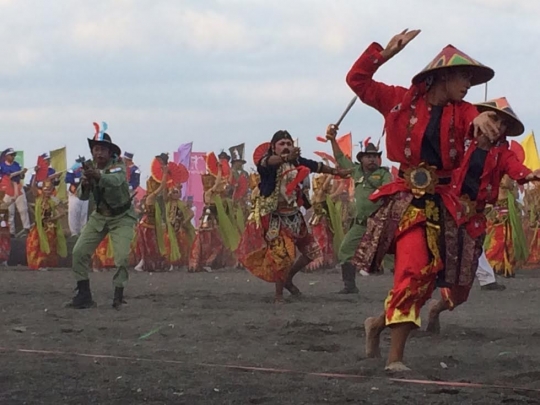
(276, 227)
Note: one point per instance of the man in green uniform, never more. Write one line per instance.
(105, 179)
(368, 176)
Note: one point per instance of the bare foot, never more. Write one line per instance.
(373, 334)
(396, 367)
(434, 324)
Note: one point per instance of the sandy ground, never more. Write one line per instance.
(227, 318)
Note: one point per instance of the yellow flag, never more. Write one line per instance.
(59, 163)
(532, 161)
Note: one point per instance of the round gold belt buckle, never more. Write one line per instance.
(421, 180)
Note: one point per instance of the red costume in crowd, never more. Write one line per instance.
(426, 126)
(477, 184)
(407, 115)
(276, 228)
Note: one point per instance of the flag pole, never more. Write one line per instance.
(485, 92)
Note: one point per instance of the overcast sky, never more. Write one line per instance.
(222, 72)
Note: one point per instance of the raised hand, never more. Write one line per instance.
(398, 42)
(485, 124)
(295, 154)
(331, 132)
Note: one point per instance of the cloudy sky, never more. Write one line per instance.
(222, 72)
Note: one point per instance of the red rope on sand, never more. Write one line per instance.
(454, 384)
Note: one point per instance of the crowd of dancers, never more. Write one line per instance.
(451, 211)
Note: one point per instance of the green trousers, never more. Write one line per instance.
(350, 244)
(121, 231)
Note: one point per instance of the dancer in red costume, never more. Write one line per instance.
(321, 223)
(216, 234)
(531, 225)
(477, 184)
(150, 231)
(276, 227)
(426, 129)
(180, 231)
(46, 241)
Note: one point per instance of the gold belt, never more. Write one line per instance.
(421, 179)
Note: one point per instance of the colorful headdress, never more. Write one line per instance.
(451, 57)
(212, 165)
(103, 138)
(501, 106)
(178, 173)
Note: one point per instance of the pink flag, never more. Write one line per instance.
(194, 188)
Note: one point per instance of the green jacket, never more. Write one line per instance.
(364, 185)
(111, 193)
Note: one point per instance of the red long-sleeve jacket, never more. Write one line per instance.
(395, 103)
(500, 160)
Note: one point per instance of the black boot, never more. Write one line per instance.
(118, 298)
(348, 272)
(83, 299)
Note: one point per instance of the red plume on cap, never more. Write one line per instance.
(96, 126)
(366, 142)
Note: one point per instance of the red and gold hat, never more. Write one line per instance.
(501, 106)
(451, 57)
